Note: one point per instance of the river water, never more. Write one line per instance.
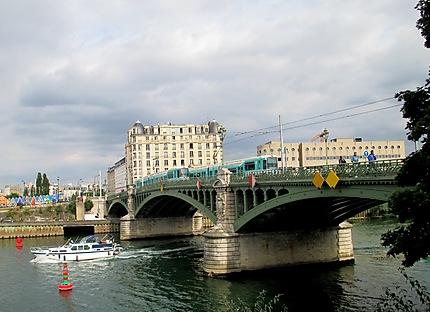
(166, 275)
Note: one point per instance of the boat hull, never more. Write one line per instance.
(78, 256)
(89, 248)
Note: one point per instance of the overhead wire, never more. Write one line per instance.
(261, 132)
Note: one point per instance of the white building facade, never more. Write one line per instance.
(152, 149)
(321, 152)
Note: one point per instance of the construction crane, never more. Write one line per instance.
(323, 136)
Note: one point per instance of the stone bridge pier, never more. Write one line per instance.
(227, 252)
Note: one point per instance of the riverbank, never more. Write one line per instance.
(12, 230)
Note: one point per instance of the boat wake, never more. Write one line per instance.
(151, 252)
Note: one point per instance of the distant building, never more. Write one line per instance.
(9, 189)
(116, 178)
(320, 152)
(152, 149)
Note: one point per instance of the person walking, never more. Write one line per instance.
(354, 159)
(341, 160)
(371, 158)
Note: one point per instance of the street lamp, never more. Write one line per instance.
(78, 185)
(221, 131)
(58, 189)
(94, 185)
(325, 134)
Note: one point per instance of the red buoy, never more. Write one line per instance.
(18, 244)
(65, 285)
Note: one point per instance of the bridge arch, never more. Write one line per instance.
(117, 209)
(313, 207)
(172, 203)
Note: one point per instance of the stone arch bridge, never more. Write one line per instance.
(296, 215)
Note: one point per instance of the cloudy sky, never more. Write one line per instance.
(76, 75)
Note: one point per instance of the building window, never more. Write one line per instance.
(191, 154)
(166, 162)
(174, 154)
(166, 154)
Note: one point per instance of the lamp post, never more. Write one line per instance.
(58, 189)
(221, 131)
(78, 185)
(23, 187)
(325, 134)
(94, 185)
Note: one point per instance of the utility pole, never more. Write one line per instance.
(282, 144)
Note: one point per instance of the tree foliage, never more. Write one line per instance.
(423, 23)
(412, 203)
(42, 184)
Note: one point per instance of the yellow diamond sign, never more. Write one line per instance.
(332, 179)
(318, 180)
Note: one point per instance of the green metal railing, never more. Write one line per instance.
(381, 169)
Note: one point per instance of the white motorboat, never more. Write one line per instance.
(88, 248)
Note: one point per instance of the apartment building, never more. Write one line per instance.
(117, 178)
(320, 152)
(152, 149)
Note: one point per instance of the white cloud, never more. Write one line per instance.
(76, 75)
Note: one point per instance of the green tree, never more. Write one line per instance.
(45, 184)
(12, 195)
(39, 184)
(88, 204)
(412, 203)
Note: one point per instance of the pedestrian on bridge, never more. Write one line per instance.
(354, 159)
(372, 158)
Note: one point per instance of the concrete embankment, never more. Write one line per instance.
(54, 228)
